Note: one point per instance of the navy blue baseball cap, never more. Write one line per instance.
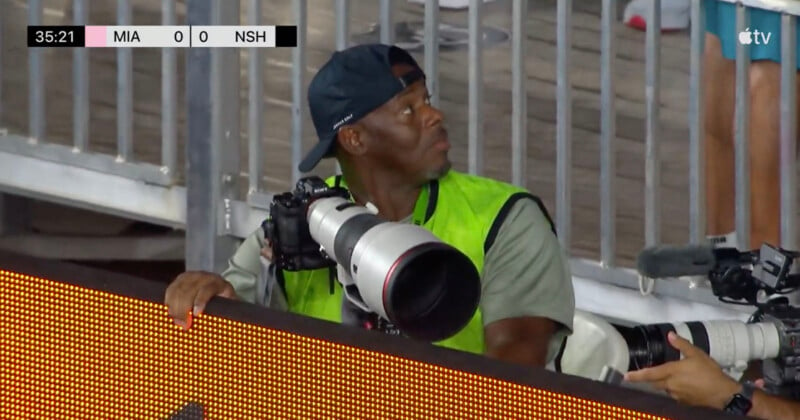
(353, 83)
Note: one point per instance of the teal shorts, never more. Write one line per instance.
(721, 21)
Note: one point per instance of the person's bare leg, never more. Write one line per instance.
(719, 81)
(765, 126)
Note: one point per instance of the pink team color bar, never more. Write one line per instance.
(95, 36)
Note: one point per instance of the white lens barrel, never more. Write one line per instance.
(375, 254)
(402, 272)
(324, 220)
(732, 342)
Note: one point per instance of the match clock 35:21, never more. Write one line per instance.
(56, 36)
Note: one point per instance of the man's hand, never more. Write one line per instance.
(695, 380)
(266, 252)
(189, 293)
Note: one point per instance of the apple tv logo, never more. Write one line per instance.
(746, 37)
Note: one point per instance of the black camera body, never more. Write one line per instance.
(286, 228)
(757, 278)
(733, 281)
(782, 373)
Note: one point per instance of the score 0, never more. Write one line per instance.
(179, 36)
(210, 36)
(202, 35)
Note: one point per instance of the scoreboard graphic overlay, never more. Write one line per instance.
(158, 36)
(83, 343)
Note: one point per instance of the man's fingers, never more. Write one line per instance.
(660, 385)
(180, 297)
(181, 311)
(653, 374)
(681, 344)
(178, 301)
(188, 295)
(228, 292)
(173, 294)
(205, 294)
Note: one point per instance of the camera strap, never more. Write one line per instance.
(421, 206)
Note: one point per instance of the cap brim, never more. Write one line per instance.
(316, 154)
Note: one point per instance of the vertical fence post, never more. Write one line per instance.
(386, 22)
(432, 49)
(475, 114)
(697, 184)
(342, 36)
(226, 107)
(36, 108)
(256, 104)
(564, 124)
(519, 94)
(213, 143)
(124, 89)
(169, 86)
(788, 131)
(80, 83)
(608, 134)
(298, 85)
(742, 117)
(202, 186)
(652, 189)
(342, 24)
(15, 211)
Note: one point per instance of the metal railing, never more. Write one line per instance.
(72, 173)
(122, 164)
(213, 213)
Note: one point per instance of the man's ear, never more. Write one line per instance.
(351, 140)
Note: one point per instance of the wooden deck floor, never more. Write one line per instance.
(540, 64)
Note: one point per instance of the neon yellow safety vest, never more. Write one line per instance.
(462, 210)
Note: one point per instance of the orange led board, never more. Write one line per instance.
(85, 344)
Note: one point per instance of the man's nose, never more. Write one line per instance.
(433, 116)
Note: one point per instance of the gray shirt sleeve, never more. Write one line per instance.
(244, 267)
(526, 273)
(252, 276)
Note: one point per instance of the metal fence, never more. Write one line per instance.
(72, 174)
(213, 212)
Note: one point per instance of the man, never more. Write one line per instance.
(371, 111)
(698, 380)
